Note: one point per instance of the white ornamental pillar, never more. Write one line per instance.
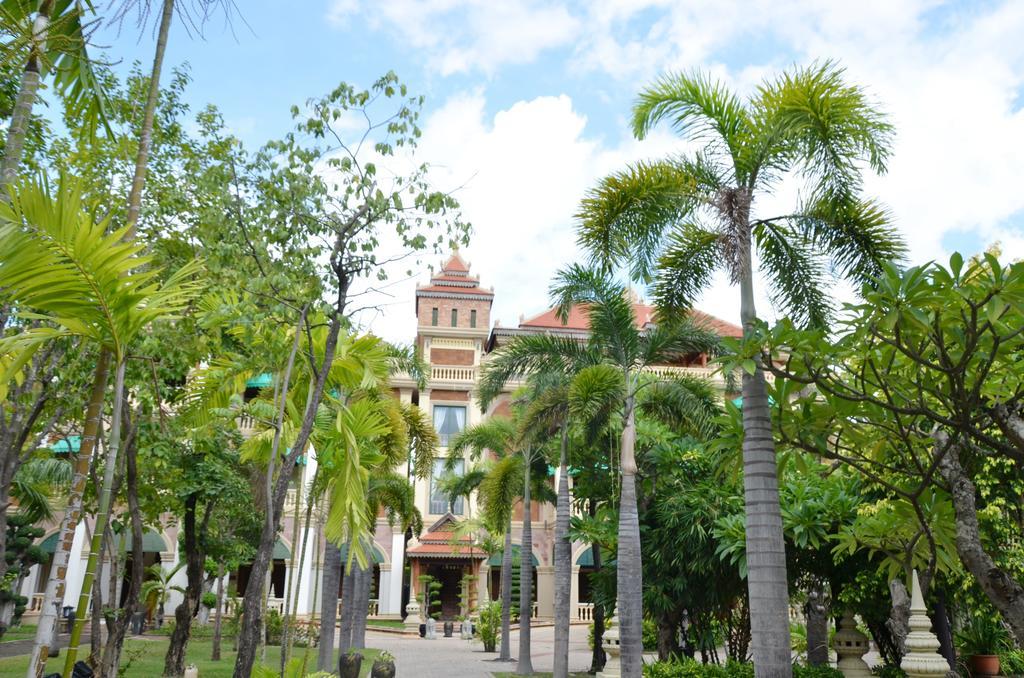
(394, 597)
(922, 659)
(612, 664)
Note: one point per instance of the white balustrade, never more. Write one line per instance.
(585, 612)
(452, 373)
(374, 607)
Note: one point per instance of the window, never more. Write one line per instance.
(455, 317)
(439, 501)
(449, 420)
(472, 318)
(433, 317)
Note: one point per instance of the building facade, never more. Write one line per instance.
(455, 336)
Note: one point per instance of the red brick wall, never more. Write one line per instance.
(451, 356)
(457, 396)
(444, 311)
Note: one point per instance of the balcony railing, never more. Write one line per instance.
(452, 373)
(585, 612)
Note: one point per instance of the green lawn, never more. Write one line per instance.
(145, 659)
(386, 623)
(20, 632)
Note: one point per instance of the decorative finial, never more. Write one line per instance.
(922, 659)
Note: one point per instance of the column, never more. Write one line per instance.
(384, 593)
(545, 592)
(76, 566)
(574, 593)
(394, 596)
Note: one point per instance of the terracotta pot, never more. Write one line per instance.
(984, 665)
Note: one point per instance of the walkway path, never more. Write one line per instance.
(457, 658)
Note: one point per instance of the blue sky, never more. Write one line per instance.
(528, 101)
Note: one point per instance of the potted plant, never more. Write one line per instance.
(981, 640)
(349, 664)
(383, 666)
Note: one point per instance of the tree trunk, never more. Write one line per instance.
(248, 640)
(506, 595)
(816, 612)
(195, 560)
(146, 134)
(899, 615)
(96, 604)
(766, 548)
(329, 606)
(628, 575)
(348, 594)
(102, 519)
(361, 604)
(943, 629)
(597, 657)
(218, 613)
(17, 129)
(668, 637)
(118, 623)
(1003, 591)
(525, 666)
(563, 562)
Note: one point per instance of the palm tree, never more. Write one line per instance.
(626, 351)
(159, 588)
(50, 36)
(59, 263)
(499, 490)
(550, 361)
(684, 217)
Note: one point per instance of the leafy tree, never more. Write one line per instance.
(682, 218)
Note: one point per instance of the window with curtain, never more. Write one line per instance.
(439, 502)
(433, 317)
(449, 420)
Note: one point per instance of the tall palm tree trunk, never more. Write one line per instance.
(361, 605)
(506, 595)
(525, 666)
(348, 593)
(563, 564)
(102, 518)
(117, 623)
(57, 583)
(628, 575)
(766, 550)
(17, 130)
(146, 134)
(329, 605)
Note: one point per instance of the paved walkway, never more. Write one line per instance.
(457, 658)
(15, 648)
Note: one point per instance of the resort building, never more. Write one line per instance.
(454, 333)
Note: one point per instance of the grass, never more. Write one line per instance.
(26, 631)
(145, 658)
(386, 623)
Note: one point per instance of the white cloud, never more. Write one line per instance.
(459, 36)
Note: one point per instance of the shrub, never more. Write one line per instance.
(275, 626)
(489, 628)
(307, 633)
(802, 671)
(690, 668)
(209, 600)
(982, 635)
(650, 635)
(1011, 663)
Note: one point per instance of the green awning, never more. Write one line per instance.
(66, 445)
(151, 542)
(261, 381)
(378, 557)
(586, 558)
(281, 551)
(49, 545)
(495, 560)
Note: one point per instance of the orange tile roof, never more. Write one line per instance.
(451, 289)
(578, 320)
(455, 263)
(446, 551)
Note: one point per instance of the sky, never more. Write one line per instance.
(527, 103)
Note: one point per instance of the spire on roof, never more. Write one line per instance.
(455, 264)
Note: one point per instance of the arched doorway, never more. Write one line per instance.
(494, 562)
(585, 561)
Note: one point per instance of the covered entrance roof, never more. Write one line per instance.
(440, 541)
(495, 560)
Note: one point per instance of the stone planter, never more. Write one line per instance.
(449, 629)
(349, 665)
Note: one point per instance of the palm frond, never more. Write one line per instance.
(529, 355)
(609, 310)
(500, 490)
(795, 275)
(623, 218)
(689, 405)
(691, 257)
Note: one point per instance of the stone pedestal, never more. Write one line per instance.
(431, 633)
(612, 665)
(851, 645)
(922, 659)
(412, 618)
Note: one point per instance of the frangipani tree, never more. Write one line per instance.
(678, 220)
